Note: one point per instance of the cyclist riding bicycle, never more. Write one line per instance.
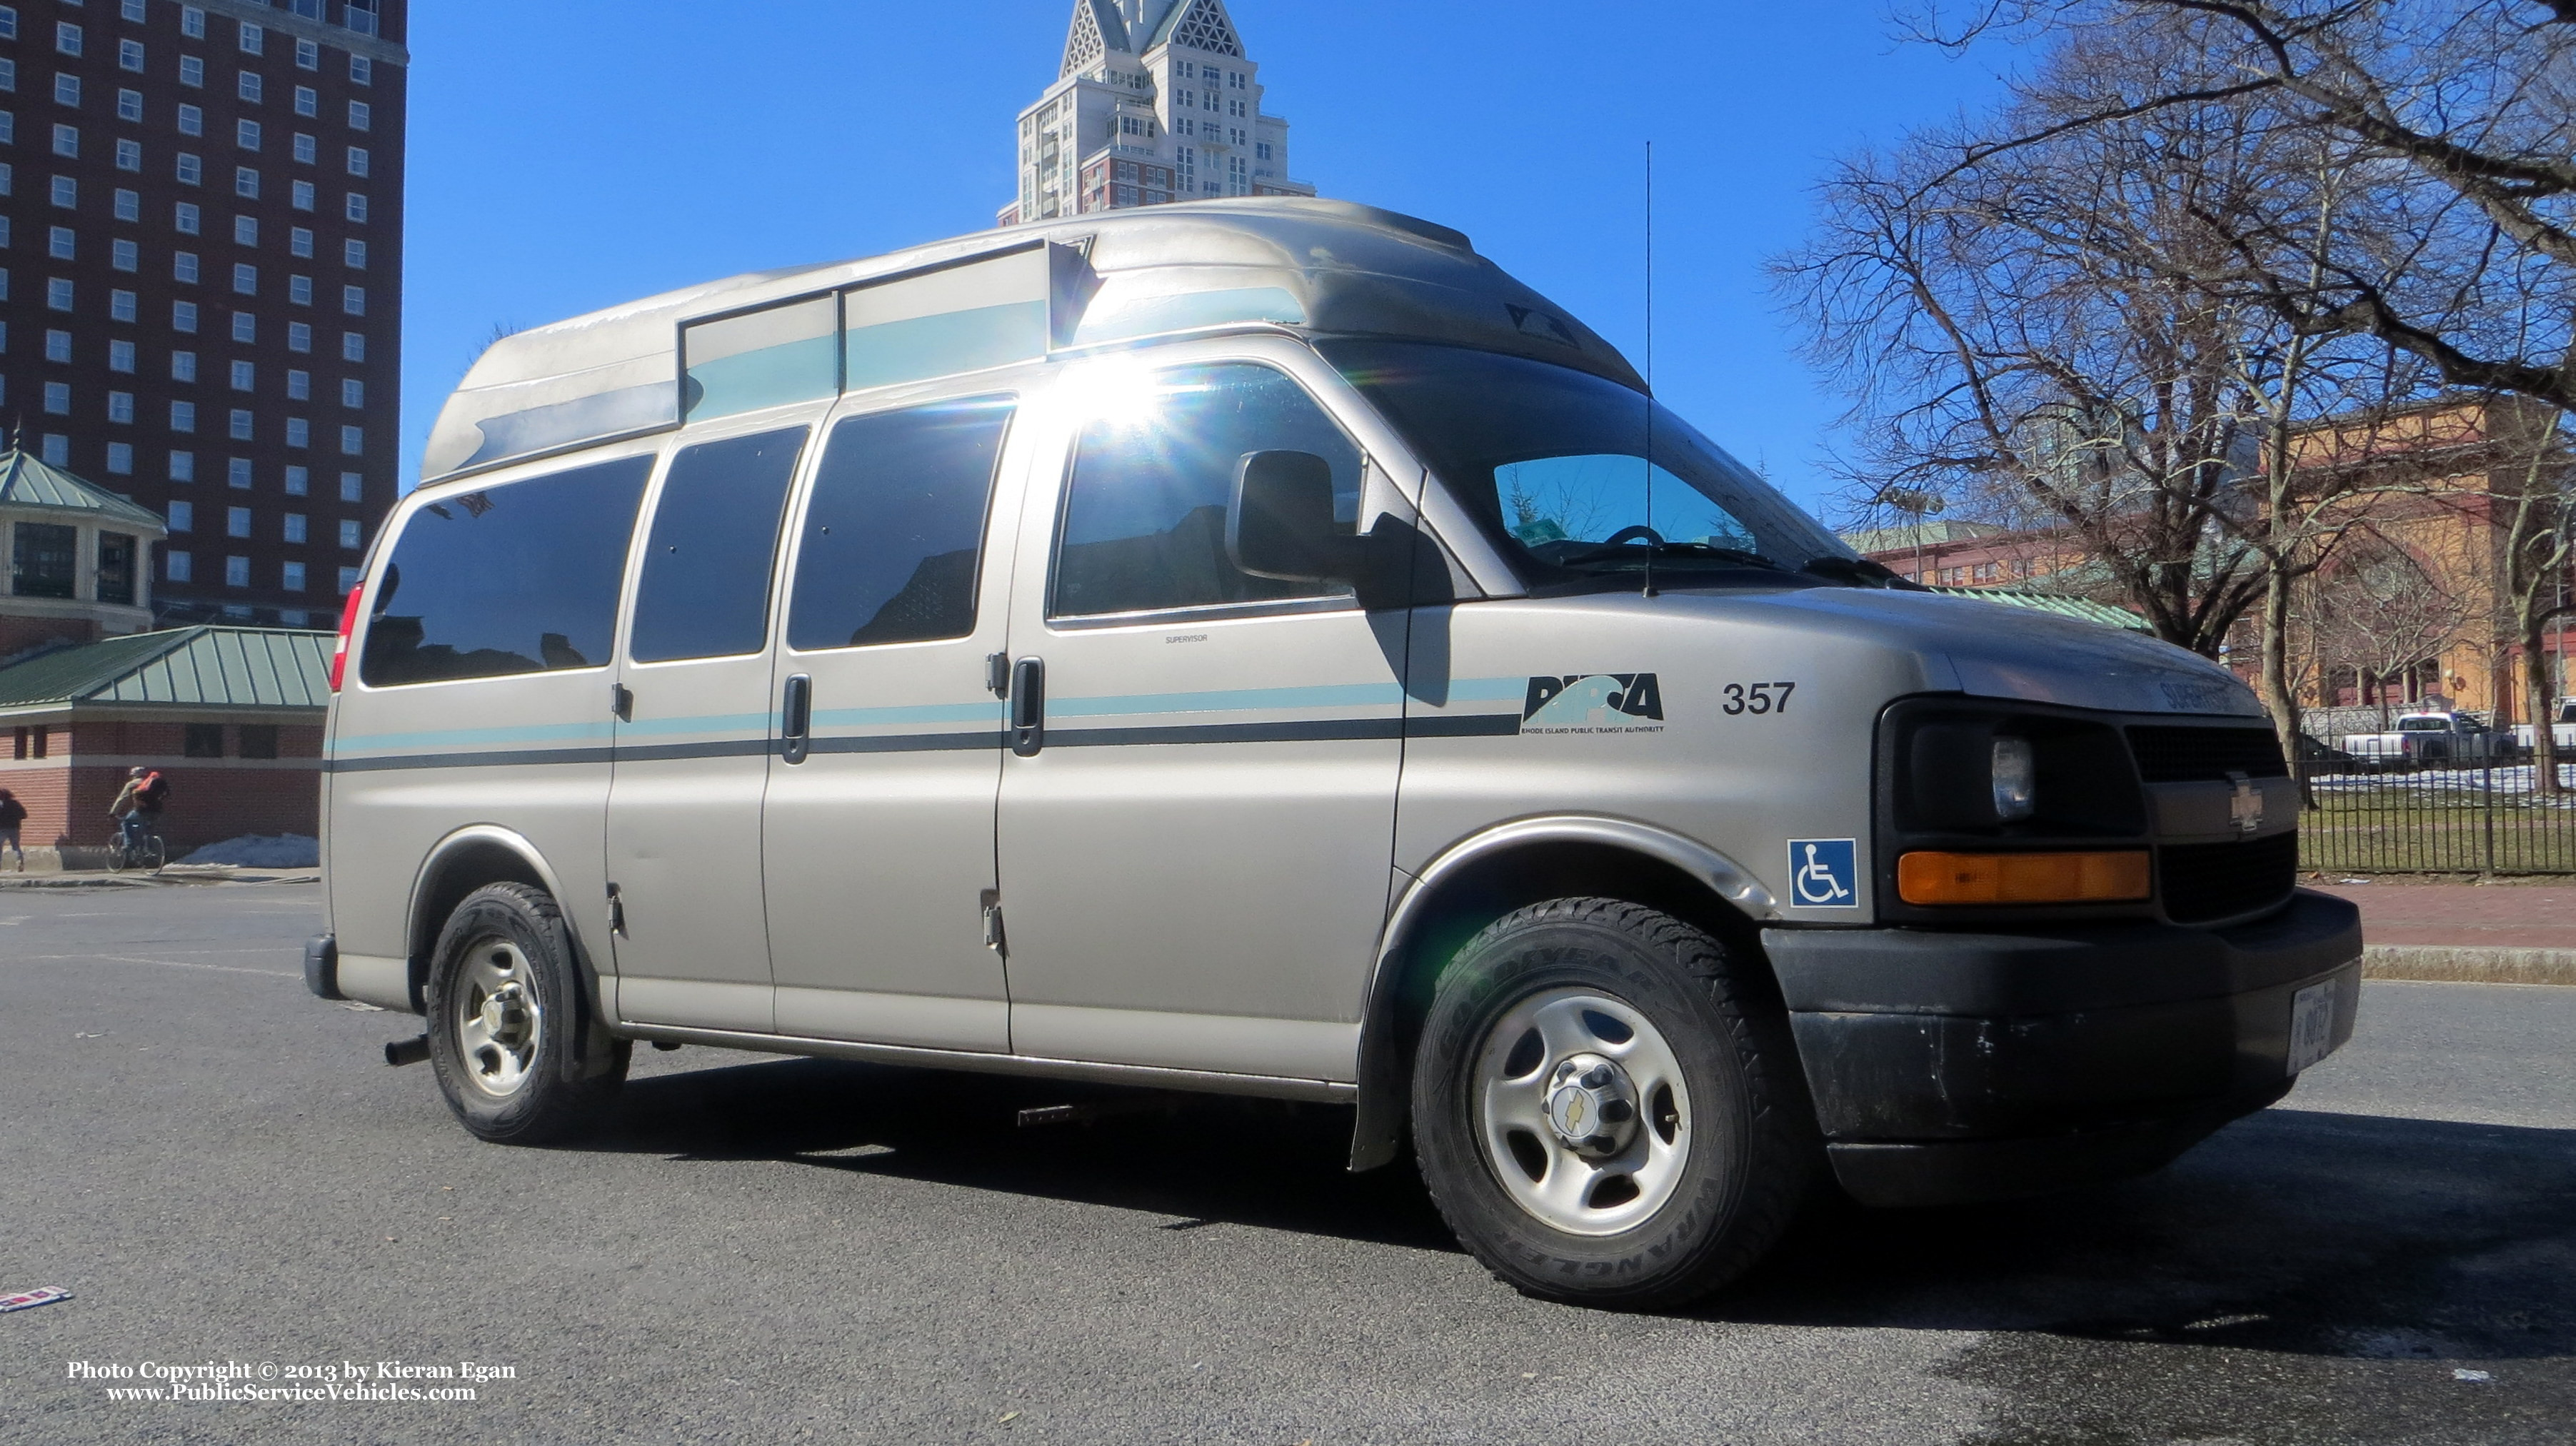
(137, 809)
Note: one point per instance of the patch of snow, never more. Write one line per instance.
(262, 851)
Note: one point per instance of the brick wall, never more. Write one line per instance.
(67, 794)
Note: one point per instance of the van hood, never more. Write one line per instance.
(1995, 651)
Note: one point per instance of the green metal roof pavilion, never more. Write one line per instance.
(190, 669)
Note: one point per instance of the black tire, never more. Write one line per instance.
(1752, 1147)
(549, 1093)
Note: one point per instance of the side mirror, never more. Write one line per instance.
(1281, 523)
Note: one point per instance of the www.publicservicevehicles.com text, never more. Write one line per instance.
(327, 1381)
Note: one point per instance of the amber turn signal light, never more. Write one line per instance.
(2086, 878)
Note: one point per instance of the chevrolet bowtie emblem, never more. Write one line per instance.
(2245, 808)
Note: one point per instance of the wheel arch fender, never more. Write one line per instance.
(1487, 874)
(468, 859)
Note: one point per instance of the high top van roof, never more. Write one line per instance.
(1308, 266)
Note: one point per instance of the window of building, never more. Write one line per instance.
(43, 558)
(58, 346)
(129, 55)
(352, 536)
(353, 441)
(245, 327)
(1144, 519)
(129, 106)
(132, 10)
(8, 22)
(357, 160)
(183, 266)
(192, 22)
(356, 209)
(248, 87)
(362, 71)
(57, 449)
(66, 192)
(8, 74)
(67, 90)
(353, 392)
(299, 432)
(245, 279)
(129, 155)
(299, 481)
(241, 425)
(67, 141)
(308, 56)
(299, 241)
(353, 300)
(353, 346)
(525, 582)
(236, 522)
(302, 195)
(120, 305)
(348, 581)
(58, 294)
(246, 134)
(192, 71)
(359, 114)
(246, 183)
(178, 566)
(120, 407)
(191, 170)
(60, 243)
(183, 366)
(245, 230)
(120, 356)
(183, 466)
(237, 474)
(120, 459)
(352, 487)
(254, 39)
(183, 416)
(236, 571)
(299, 336)
(245, 376)
(129, 205)
(353, 254)
(183, 516)
(58, 401)
(259, 740)
(299, 290)
(294, 525)
(188, 218)
(307, 101)
(299, 386)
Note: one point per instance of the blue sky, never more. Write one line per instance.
(578, 153)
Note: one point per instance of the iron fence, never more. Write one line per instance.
(2471, 818)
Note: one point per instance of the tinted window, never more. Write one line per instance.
(895, 527)
(115, 567)
(42, 557)
(520, 578)
(202, 740)
(707, 565)
(259, 740)
(1144, 518)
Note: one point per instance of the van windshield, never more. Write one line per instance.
(1554, 463)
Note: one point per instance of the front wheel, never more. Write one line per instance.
(1605, 1110)
(505, 1015)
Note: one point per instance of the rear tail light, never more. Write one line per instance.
(348, 625)
(1927, 877)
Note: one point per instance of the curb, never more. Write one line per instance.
(2448, 964)
(167, 878)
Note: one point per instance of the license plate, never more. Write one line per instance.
(2311, 1025)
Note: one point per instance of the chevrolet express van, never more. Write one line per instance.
(1258, 646)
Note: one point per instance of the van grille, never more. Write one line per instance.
(2222, 880)
(2181, 755)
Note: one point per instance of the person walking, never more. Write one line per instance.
(137, 809)
(13, 817)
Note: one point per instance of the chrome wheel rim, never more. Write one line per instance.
(1584, 1115)
(498, 1022)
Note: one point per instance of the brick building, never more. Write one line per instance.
(232, 715)
(75, 558)
(200, 278)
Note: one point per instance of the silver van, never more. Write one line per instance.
(1260, 647)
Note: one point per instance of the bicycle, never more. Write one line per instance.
(148, 855)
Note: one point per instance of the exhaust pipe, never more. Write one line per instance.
(407, 1051)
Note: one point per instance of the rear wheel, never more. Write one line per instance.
(1605, 1111)
(506, 1012)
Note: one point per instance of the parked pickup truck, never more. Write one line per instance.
(2433, 738)
(2562, 728)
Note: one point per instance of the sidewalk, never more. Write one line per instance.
(173, 874)
(2511, 933)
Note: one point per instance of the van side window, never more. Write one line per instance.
(713, 549)
(1145, 514)
(896, 525)
(519, 578)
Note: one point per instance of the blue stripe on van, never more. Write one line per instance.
(985, 711)
(467, 737)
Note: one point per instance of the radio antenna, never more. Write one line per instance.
(1651, 543)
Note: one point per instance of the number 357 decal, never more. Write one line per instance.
(1757, 698)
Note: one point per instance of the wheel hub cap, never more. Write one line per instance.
(1591, 1105)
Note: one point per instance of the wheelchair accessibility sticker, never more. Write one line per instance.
(1822, 874)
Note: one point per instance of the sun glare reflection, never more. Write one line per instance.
(1119, 391)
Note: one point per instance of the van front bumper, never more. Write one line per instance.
(1949, 1067)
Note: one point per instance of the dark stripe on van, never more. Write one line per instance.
(1301, 731)
(499, 758)
(1464, 725)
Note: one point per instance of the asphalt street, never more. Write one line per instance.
(224, 1170)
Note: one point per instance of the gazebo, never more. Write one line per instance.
(80, 559)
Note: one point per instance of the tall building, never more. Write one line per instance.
(1153, 102)
(200, 279)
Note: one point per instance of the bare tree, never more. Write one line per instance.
(2531, 487)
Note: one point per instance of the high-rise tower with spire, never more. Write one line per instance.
(1154, 102)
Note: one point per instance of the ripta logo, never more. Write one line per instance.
(1593, 703)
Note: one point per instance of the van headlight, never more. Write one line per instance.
(2014, 773)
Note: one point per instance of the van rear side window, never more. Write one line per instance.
(713, 549)
(895, 527)
(519, 578)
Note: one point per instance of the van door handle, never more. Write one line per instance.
(797, 718)
(1028, 706)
